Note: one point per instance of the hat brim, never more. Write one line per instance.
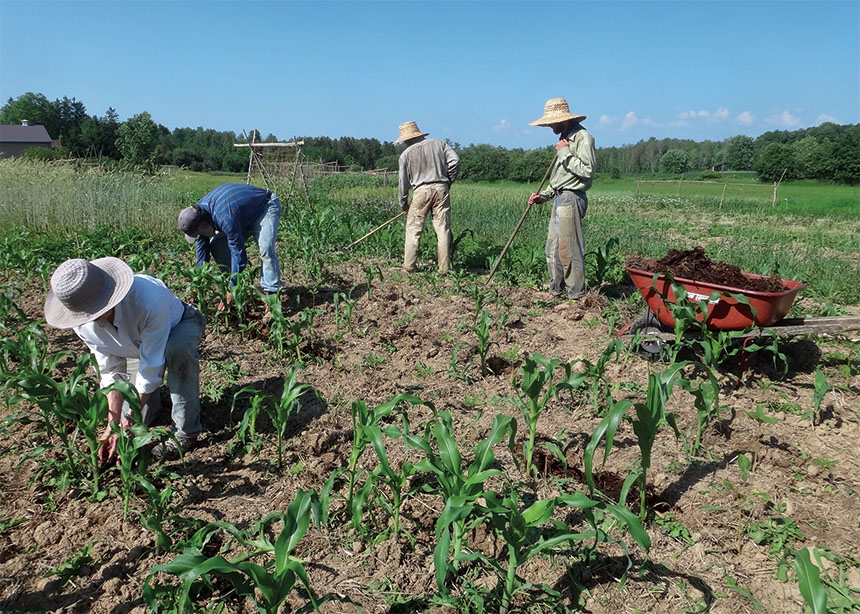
(60, 316)
(556, 119)
(411, 136)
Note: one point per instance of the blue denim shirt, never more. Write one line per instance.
(233, 209)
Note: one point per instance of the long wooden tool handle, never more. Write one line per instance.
(520, 223)
(377, 229)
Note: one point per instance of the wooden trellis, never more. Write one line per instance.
(275, 169)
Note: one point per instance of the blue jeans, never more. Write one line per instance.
(565, 245)
(182, 362)
(265, 232)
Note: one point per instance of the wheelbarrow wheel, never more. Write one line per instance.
(648, 324)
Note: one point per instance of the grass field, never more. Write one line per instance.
(812, 235)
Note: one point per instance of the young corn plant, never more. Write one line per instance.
(246, 439)
(367, 430)
(534, 391)
(278, 324)
(132, 447)
(279, 412)
(532, 531)
(460, 488)
(650, 416)
(267, 587)
(483, 331)
(343, 306)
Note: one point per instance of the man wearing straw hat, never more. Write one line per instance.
(428, 167)
(572, 174)
(123, 316)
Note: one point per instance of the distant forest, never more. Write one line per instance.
(828, 152)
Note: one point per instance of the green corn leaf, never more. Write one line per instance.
(809, 580)
(607, 428)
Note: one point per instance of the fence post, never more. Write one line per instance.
(637, 187)
(723, 197)
(679, 187)
(775, 190)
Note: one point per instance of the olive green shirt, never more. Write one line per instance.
(574, 164)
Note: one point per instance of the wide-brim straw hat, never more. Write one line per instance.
(409, 130)
(556, 111)
(81, 291)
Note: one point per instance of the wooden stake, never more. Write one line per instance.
(377, 229)
(520, 223)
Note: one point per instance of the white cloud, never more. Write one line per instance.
(745, 118)
(720, 114)
(502, 125)
(606, 120)
(631, 119)
(693, 114)
(784, 119)
(824, 118)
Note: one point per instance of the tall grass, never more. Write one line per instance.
(812, 237)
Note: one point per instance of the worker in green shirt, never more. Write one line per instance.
(572, 174)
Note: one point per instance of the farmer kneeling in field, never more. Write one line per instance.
(429, 167)
(119, 316)
(221, 222)
(572, 174)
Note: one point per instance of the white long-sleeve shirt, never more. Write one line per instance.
(141, 324)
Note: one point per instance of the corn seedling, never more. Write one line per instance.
(531, 531)
(534, 391)
(267, 588)
(343, 306)
(278, 323)
(760, 418)
(367, 430)
(460, 489)
(246, 439)
(650, 416)
(822, 387)
(482, 330)
(279, 412)
(153, 518)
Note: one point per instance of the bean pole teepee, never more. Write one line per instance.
(276, 162)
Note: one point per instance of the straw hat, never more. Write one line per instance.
(556, 111)
(82, 291)
(409, 130)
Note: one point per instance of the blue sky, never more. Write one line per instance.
(472, 72)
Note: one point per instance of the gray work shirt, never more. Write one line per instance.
(428, 161)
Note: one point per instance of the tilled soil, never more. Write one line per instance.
(694, 264)
(409, 336)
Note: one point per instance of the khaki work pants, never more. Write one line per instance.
(565, 245)
(432, 198)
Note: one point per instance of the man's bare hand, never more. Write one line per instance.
(222, 305)
(107, 451)
(535, 198)
(561, 143)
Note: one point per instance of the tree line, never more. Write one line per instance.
(829, 152)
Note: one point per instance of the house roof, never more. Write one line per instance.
(24, 134)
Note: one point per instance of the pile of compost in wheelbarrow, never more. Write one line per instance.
(694, 264)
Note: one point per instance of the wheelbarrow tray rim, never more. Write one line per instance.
(791, 286)
(731, 315)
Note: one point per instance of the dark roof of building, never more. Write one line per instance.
(24, 134)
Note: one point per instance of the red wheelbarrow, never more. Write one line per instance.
(724, 312)
(764, 316)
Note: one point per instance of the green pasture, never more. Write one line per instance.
(812, 235)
